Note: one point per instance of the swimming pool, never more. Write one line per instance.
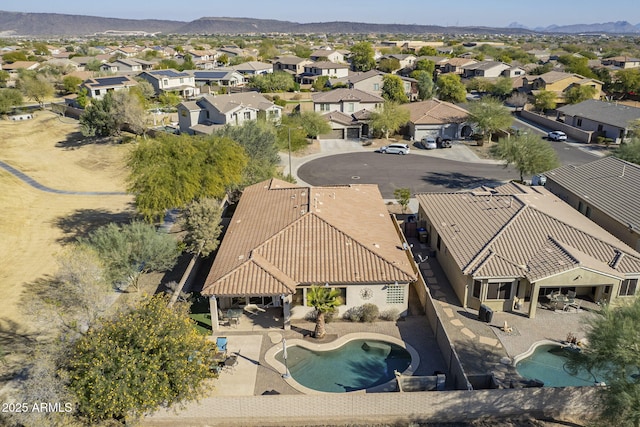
(348, 364)
(547, 363)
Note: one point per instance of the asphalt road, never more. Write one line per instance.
(568, 154)
(419, 173)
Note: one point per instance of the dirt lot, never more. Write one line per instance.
(35, 225)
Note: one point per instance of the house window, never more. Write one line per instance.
(579, 122)
(350, 107)
(324, 107)
(165, 82)
(500, 290)
(298, 297)
(600, 128)
(628, 287)
(181, 80)
(343, 295)
(376, 86)
(477, 285)
(97, 92)
(395, 294)
(247, 115)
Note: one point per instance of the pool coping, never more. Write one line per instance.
(517, 359)
(270, 357)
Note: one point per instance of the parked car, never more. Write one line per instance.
(557, 135)
(444, 143)
(395, 149)
(428, 143)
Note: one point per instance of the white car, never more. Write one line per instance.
(395, 149)
(557, 135)
(428, 143)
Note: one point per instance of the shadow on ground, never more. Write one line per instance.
(456, 180)
(83, 221)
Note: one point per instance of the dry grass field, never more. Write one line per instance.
(35, 225)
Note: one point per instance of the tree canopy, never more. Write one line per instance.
(451, 88)
(390, 119)
(36, 87)
(612, 350)
(388, 65)
(314, 124)
(172, 170)
(393, 89)
(9, 99)
(629, 151)
(528, 153)
(576, 94)
(129, 250)
(201, 220)
(107, 116)
(426, 87)
(362, 57)
(138, 362)
(272, 82)
(544, 100)
(489, 115)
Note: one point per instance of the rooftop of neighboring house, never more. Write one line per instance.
(19, 65)
(282, 235)
(345, 95)
(326, 65)
(520, 231)
(253, 65)
(109, 82)
(167, 73)
(357, 76)
(611, 185)
(486, 65)
(434, 111)
(460, 62)
(291, 60)
(622, 59)
(611, 113)
(230, 102)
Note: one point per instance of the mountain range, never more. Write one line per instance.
(53, 24)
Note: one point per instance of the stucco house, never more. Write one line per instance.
(98, 87)
(607, 119)
(456, 65)
(291, 65)
(438, 119)
(484, 69)
(253, 68)
(323, 68)
(285, 238)
(517, 241)
(607, 191)
(621, 62)
(171, 81)
(327, 55)
(218, 77)
(559, 82)
(124, 65)
(367, 81)
(347, 111)
(211, 112)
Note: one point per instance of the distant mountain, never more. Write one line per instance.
(53, 24)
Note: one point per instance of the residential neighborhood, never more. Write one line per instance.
(218, 228)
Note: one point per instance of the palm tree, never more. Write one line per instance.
(324, 300)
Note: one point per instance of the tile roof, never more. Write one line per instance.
(326, 65)
(355, 77)
(434, 111)
(291, 60)
(282, 235)
(346, 95)
(518, 231)
(230, 102)
(110, 82)
(486, 65)
(611, 113)
(611, 185)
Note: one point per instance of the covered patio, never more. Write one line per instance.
(245, 311)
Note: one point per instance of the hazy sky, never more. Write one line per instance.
(495, 13)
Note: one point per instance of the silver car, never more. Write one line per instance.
(395, 149)
(557, 135)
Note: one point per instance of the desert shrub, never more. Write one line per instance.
(369, 312)
(354, 314)
(391, 314)
(280, 102)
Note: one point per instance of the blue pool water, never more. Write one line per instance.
(357, 365)
(547, 364)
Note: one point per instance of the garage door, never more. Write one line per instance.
(334, 134)
(353, 133)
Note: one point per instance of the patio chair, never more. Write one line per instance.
(231, 362)
(571, 294)
(222, 317)
(221, 344)
(575, 304)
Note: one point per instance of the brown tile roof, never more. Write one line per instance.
(518, 231)
(283, 235)
(339, 117)
(435, 111)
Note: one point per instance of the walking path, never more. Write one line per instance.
(35, 184)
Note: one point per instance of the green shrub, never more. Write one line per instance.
(280, 102)
(369, 312)
(391, 314)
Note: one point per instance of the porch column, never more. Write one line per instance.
(213, 309)
(286, 311)
(533, 302)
